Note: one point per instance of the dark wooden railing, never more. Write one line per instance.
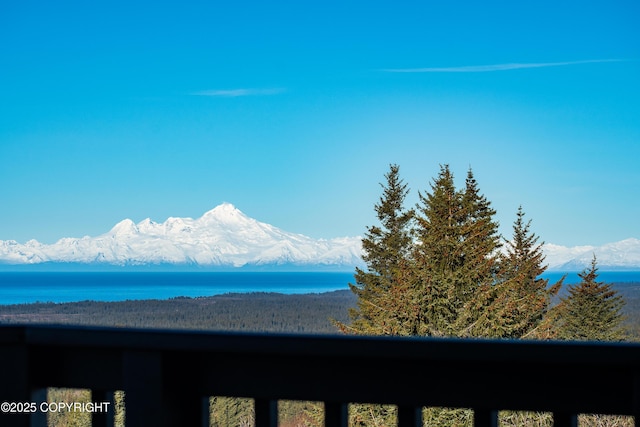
(167, 376)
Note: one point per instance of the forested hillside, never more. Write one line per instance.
(255, 312)
(251, 312)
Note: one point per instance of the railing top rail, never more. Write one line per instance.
(378, 347)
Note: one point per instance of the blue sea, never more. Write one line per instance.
(30, 287)
(621, 276)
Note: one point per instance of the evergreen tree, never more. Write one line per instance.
(438, 255)
(481, 244)
(383, 288)
(456, 253)
(591, 311)
(521, 297)
(481, 237)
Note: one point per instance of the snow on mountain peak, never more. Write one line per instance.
(124, 227)
(224, 236)
(225, 209)
(225, 213)
(624, 254)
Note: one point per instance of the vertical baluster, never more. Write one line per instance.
(266, 411)
(14, 382)
(205, 413)
(485, 418)
(409, 416)
(143, 386)
(336, 414)
(564, 419)
(38, 418)
(103, 418)
(182, 404)
(636, 399)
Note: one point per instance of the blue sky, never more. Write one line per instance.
(293, 111)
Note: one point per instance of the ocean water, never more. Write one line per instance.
(603, 276)
(30, 287)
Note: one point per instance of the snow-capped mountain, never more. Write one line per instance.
(622, 255)
(224, 236)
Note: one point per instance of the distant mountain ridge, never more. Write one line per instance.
(622, 255)
(224, 237)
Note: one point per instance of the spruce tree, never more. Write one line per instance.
(521, 297)
(456, 253)
(383, 287)
(481, 244)
(480, 236)
(591, 311)
(438, 255)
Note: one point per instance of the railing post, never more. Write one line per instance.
(14, 383)
(103, 418)
(266, 411)
(39, 418)
(636, 398)
(409, 416)
(485, 418)
(182, 405)
(563, 419)
(143, 388)
(336, 414)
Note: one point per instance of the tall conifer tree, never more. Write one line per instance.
(438, 254)
(383, 287)
(522, 296)
(591, 311)
(480, 237)
(456, 252)
(481, 260)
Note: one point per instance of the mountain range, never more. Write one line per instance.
(224, 237)
(622, 255)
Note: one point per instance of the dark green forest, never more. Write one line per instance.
(251, 312)
(254, 312)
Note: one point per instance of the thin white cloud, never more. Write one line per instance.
(496, 67)
(234, 93)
